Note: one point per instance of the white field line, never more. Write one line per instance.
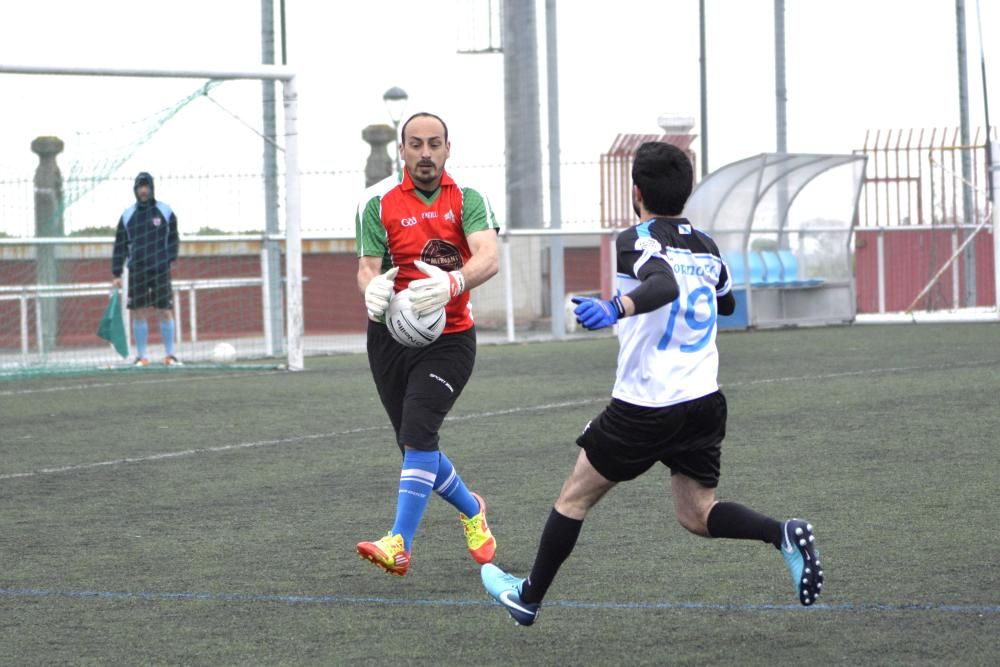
(867, 371)
(477, 415)
(277, 441)
(104, 385)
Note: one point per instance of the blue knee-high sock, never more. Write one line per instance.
(416, 481)
(167, 333)
(450, 486)
(141, 331)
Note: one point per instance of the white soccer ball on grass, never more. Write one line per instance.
(408, 329)
(223, 353)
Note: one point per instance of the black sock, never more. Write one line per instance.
(555, 546)
(742, 523)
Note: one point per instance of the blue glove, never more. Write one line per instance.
(597, 313)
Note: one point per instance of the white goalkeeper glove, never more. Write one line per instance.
(436, 290)
(378, 293)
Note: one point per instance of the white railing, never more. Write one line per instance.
(26, 293)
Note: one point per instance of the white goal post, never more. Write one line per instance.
(293, 233)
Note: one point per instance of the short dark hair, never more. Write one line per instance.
(664, 176)
(424, 114)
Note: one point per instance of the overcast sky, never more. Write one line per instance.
(852, 65)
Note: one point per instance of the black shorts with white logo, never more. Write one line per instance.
(418, 386)
(626, 440)
(150, 289)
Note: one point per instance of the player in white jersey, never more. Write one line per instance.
(666, 406)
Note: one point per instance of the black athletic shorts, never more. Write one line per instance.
(626, 440)
(150, 289)
(418, 385)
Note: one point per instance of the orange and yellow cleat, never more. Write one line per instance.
(478, 536)
(388, 553)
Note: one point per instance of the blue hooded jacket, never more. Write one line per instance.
(146, 235)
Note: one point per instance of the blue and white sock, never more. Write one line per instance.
(450, 486)
(167, 333)
(140, 329)
(416, 481)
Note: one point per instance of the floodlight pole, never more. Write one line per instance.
(781, 111)
(702, 68)
(557, 278)
(780, 92)
(992, 166)
(963, 112)
(993, 151)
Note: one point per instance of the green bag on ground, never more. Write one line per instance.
(112, 327)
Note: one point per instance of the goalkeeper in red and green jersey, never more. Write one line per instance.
(439, 239)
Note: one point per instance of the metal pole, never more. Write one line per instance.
(557, 278)
(293, 230)
(781, 94)
(25, 341)
(271, 259)
(521, 117)
(703, 66)
(284, 41)
(265, 296)
(781, 121)
(969, 258)
(508, 287)
(260, 72)
(991, 158)
(193, 312)
(880, 255)
(993, 148)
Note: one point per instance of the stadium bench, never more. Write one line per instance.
(770, 271)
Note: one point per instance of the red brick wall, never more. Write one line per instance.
(583, 269)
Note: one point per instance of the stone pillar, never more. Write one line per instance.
(48, 223)
(380, 164)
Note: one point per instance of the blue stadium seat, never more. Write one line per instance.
(737, 269)
(757, 270)
(790, 267)
(734, 261)
(773, 273)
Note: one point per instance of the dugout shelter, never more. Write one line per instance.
(784, 224)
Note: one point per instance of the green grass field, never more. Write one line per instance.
(210, 517)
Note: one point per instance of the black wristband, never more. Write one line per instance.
(616, 301)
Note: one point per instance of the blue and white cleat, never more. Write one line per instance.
(506, 589)
(798, 546)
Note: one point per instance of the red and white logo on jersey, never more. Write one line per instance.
(446, 256)
(157, 221)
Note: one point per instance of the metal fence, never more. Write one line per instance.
(920, 205)
(914, 177)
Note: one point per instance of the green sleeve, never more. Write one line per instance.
(477, 214)
(369, 232)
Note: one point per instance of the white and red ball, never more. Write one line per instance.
(407, 328)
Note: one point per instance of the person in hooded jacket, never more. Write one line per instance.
(146, 242)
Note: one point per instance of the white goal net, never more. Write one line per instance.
(72, 157)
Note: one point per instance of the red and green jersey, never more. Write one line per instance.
(396, 222)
